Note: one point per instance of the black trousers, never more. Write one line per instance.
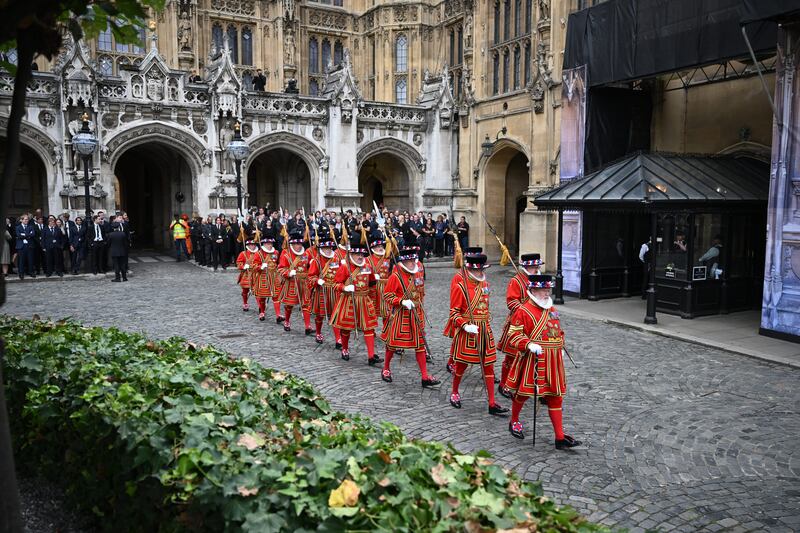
(75, 259)
(120, 266)
(219, 254)
(54, 261)
(197, 250)
(98, 255)
(25, 262)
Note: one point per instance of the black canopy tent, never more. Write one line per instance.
(680, 194)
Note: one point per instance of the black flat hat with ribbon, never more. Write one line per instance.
(541, 281)
(475, 262)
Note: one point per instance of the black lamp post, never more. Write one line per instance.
(85, 143)
(488, 145)
(239, 150)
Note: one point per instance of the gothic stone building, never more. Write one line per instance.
(436, 105)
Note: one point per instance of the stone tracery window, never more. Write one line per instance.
(326, 54)
(111, 54)
(104, 40)
(233, 43)
(313, 88)
(401, 54)
(217, 36)
(401, 91)
(313, 55)
(338, 53)
(247, 46)
(509, 72)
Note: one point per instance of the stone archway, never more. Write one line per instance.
(506, 179)
(190, 146)
(153, 183)
(29, 191)
(38, 149)
(284, 167)
(389, 170)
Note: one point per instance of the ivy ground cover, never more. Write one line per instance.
(171, 436)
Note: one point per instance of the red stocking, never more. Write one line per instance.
(245, 295)
(516, 407)
(262, 305)
(458, 374)
(554, 410)
(287, 311)
(318, 324)
(369, 340)
(506, 369)
(307, 318)
(345, 339)
(338, 334)
(388, 358)
(422, 363)
(277, 306)
(488, 375)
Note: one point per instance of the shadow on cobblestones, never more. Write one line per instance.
(678, 436)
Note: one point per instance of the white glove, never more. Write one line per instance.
(264, 266)
(534, 348)
(247, 267)
(292, 273)
(320, 282)
(349, 288)
(408, 304)
(472, 329)
(377, 277)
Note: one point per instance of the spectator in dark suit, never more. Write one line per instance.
(96, 240)
(38, 253)
(26, 246)
(219, 243)
(259, 81)
(118, 245)
(52, 240)
(77, 245)
(68, 228)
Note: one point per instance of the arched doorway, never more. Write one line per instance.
(28, 192)
(383, 178)
(279, 178)
(506, 182)
(153, 183)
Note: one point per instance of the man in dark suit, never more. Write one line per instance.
(219, 242)
(196, 235)
(77, 245)
(118, 245)
(26, 246)
(52, 240)
(68, 229)
(96, 239)
(38, 253)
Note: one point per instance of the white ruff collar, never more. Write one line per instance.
(301, 252)
(416, 268)
(478, 279)
(381, 254)
(544, 304)
(269, 251)
(328, 255)
(359, 265)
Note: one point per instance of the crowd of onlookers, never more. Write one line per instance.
(55, 245)
(216, 240)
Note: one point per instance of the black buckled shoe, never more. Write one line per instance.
(515, 428)
(345, 354)
(566, 443)
(309, 331)
(386, 375)
(287, 326)
(455, 400)
(498, 410)
(338, 346)
(430, 382)
(505, 392)
(542, 400)
(279, 319)
(319, 338)
(372, 361)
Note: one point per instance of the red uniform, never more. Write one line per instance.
(469, 305)
(293, 289)
(322, 297)
(355, 310)
(252, 261)
(530, 323)
(382, 266)
(516, 295)
(542, 374)
(404, 328)
(265, 281)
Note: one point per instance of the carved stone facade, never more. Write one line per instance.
(409, 80)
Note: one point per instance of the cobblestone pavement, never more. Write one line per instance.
(678, 437)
